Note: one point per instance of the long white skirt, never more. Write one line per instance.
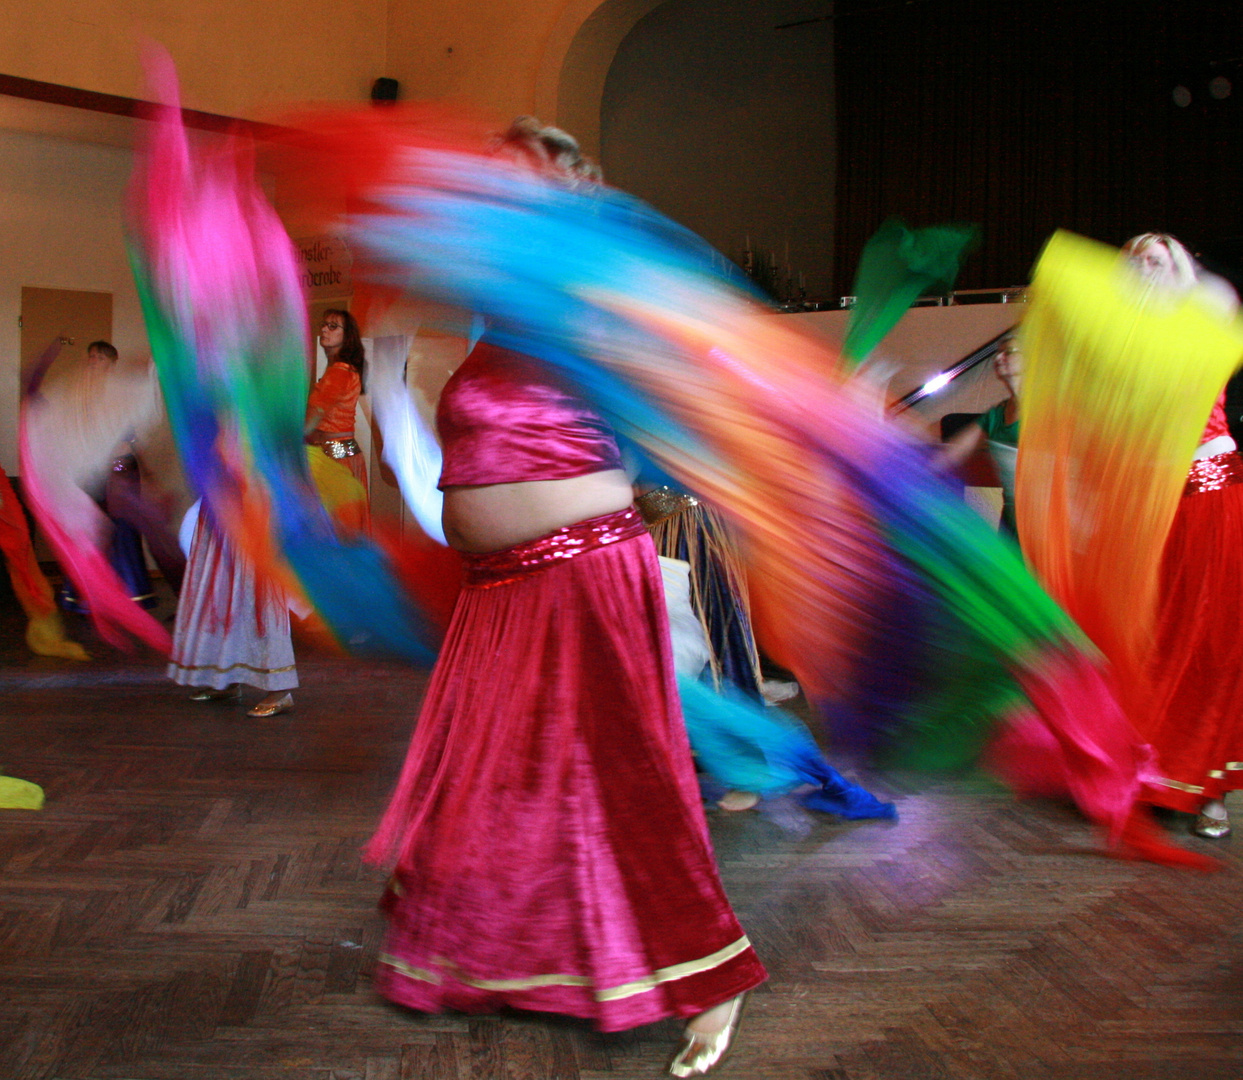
(691, 651)
(229, 629)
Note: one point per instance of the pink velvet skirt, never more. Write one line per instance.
(551, 849)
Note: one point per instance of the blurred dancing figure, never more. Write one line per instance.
(1195, 719)
(71, 426)
(551, 849)
(121, 487)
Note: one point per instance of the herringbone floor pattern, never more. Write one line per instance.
(190, 905)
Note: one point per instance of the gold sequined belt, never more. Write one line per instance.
(340, 448)
(484, 571)
(1214, 473)
(663, 502)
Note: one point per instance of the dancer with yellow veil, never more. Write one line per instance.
(1130, 506)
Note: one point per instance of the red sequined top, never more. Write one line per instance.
(504, 418)
(336, 396)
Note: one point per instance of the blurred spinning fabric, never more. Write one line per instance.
(871, 581)
(857, 553)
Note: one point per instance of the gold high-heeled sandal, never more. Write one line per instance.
(699, 1054)
(271, 708)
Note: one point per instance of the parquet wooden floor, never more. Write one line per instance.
(190, 905)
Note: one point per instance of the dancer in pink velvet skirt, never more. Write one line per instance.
(548, 833)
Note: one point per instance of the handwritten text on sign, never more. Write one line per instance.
(325, 264)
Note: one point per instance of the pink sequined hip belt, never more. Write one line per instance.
(544, 552)
(1214, 473)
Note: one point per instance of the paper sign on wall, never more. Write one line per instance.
(325, 266)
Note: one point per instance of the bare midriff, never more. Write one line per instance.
(493, 517)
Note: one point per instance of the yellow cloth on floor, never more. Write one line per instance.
(20, 794)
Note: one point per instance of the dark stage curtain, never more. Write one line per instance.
(1024, 116)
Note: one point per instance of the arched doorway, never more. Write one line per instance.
(576, 62)
(721, 113)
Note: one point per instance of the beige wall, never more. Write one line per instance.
(243, 57)
(549, 58)
(235, 57)
(504, 56)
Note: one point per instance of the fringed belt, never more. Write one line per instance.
(663, 502)
(340, 448)
(1214, 473)
(501, 567)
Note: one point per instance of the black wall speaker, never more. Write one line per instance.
(384, 91)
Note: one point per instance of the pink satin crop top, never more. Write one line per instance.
(504, 419)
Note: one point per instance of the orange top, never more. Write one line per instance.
(336, 395)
